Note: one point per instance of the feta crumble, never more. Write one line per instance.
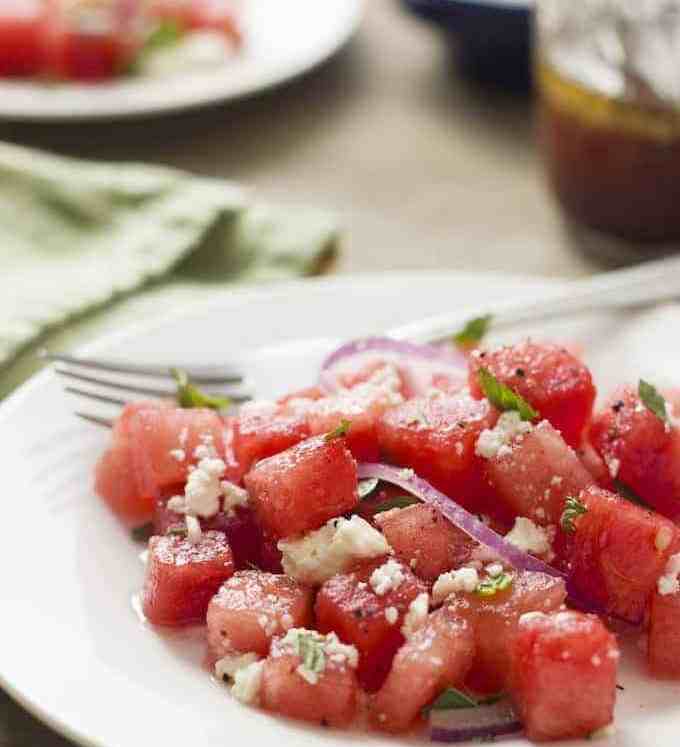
(227, 666)
(464, 579)
(613, 465)
(247, 683)
(315, 649)
(203, 490)
(663, 538)
(496, 442)
(233, 496)
(387, 577)
(318, 555)
(178, 455)
(494, 569)
(528, 537)
(194, 533)
(416, 615)
(668, 583)
(391, 615)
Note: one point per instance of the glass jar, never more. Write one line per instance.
(608, 76)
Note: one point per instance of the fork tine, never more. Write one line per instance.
(106, 422)
(197, 375)
(145, 391)
(96, 396)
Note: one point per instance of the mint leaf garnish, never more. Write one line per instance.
(340, 432)
(573, 508)
(652, 400)
(452, 699)
(491, 586)
(504, 398)
(190, 396)
(399, 501)
(473, 331)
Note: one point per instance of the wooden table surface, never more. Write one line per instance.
(426, 170)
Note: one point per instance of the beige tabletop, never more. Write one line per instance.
(426, 170)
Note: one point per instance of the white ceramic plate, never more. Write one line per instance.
(72, 649)
(282, 41)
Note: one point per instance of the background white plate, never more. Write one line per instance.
(72, 649)
(282, 41)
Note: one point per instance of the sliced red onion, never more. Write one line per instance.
(458, 516)
(465, 724)
(450, 360)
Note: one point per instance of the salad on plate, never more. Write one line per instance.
(447, 540)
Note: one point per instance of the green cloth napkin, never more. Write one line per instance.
(77, 238)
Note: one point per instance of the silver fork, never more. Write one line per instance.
(641, 285)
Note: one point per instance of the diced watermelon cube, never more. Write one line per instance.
(494, 620)
(641, 451)
(263, 432)
(436, 656)
(252, 608)
(424, 540)
(537, 475)
(181, 578)
(563, 675)
(619, 550)
(330, 701)
(663, 649)
(436, 437)
(303, 487)
(22, 37)
(348, 605)
(550, 378)
(153, 448)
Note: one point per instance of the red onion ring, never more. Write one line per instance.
(458, 516)
(465, 724)
(449, 359)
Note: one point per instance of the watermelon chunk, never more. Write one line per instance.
(424, 540)
(563, 675)
(436, 437)
(550, 378)
(303, 487)
(348, 605)
(22, 36)
(537, 475)
(181, 578)
(619, 550)
(261, 431)
(330, 700)
(494, 620)
(438, 655)
(640, 451)
(252, 608)
(153, 447)
(663, 649)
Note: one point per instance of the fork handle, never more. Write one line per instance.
(644, 284)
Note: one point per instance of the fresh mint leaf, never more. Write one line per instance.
(452, 699)
(491, 586)
(652, 400)
(366, 487)
(473, 331)
(573, 508)
(504, 398)
(340, 432)
(190, 396)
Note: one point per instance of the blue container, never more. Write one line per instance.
(493, 36)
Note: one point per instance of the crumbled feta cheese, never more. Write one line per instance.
(194, 533)
(407, 473)
(528, 537)
(183, 436)
(613, 465)
(391, 615)
(668, 583)
(203, 490)
(557, 480)
(227, 666)
(494, 569)
(464, 579)
(178, 454)
(595, 660)
(387, 577)
(314, 649)
(233, 496)
(459, 448)
(416, 615)
(663, 538)
(496, 442)
(316, 556)
(529, 617)
(247, 683)
(338, 650)
(206, 449)
(384, 383)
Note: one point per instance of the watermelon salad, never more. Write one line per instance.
(438, 540)
(96, 40)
